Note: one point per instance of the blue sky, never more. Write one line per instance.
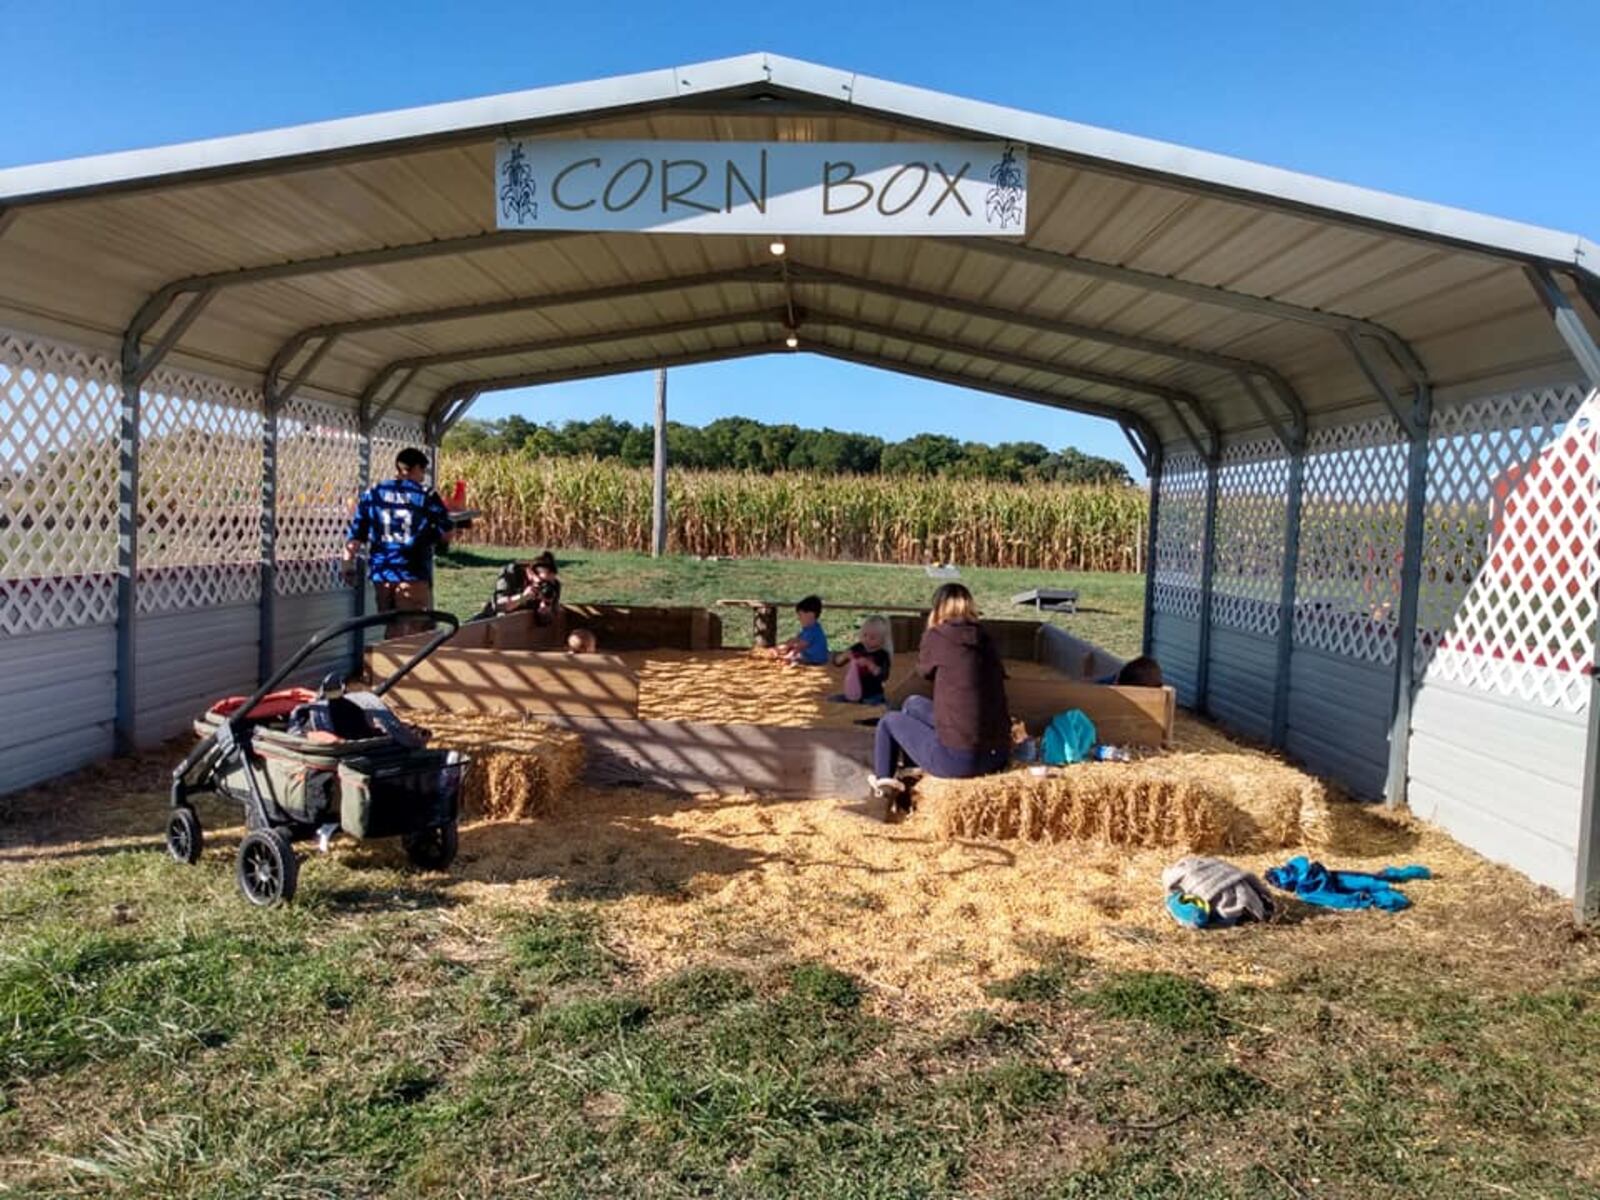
(1476, 103)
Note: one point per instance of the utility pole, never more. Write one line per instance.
(658, 518)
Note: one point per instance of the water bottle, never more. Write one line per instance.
(1112, 754)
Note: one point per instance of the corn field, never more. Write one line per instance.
(606, 506)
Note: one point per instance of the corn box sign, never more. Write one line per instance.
(774, 188)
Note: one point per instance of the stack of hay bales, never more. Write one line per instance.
(519, 769)
(1205, 793)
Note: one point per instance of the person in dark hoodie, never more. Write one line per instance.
(965, 730)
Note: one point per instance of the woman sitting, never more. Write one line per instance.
(965, 730)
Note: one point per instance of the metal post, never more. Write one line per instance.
(658, 515)
(266, 634)
(1157, 458)
(1208, 563)
(358, 640)
(1410, 595)
(125, 726)
(1286, 590)
(1586, 886)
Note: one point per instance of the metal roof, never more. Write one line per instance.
(358, 258)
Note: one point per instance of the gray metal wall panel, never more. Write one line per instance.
(187, 659)
(1495, 836)
(1243, 666)
(1176, 646)
(1339, 718)
(1503, 777)
(57, 702)
(298, 617)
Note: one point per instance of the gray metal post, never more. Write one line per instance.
(1286, 590)
(1410, 596)
(658, 512)
(125, 732)
(1586, 886)
(1157, 459)
(1208, 564)
(358, 640)
(266, 634)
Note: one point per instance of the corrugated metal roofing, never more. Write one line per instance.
(1149, 273)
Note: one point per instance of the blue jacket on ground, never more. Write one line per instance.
(1316, 884)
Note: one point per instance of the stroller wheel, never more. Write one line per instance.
(434, 848)
(183, 835)
(267, 869)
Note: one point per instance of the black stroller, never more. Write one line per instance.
(307, 764)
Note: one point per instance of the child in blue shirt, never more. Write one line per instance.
(809, 647)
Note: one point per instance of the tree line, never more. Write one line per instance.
(741, 444)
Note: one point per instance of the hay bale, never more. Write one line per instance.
(1124, 804)
(519, 768)
(1206, 793)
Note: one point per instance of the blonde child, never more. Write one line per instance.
(866, 663)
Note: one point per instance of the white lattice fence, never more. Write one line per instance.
(1510, 566)
(1252, 491)
(59, 413)
(318, 483)
(1180, 536)
(199, 493)
(1352, 536)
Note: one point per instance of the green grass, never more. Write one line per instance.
(347, 1047)
(1110, 605)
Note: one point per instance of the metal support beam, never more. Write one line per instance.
(1047, 399)
(1386, 391)
(1198, 293)
(658, 485)
(266, 632)
(358, 639)
(1421, 418)
(162, 298)
(518, 304)
(1287, 582)
(1208, 569)
(1012, 318)
(1147, 644)
(460, 410)
(1140, 450)
(125, 727)
(381, 409)
(8, 218)
(304, 373)
(821, 319)
(1202, 447)
(1568, 323)
(1589, 288)
(1586, 886)
(175, 331)
(501, 383)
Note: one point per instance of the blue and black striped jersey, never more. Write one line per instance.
(401, 522)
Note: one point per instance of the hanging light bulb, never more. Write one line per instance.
(792, 340)
(777, 247)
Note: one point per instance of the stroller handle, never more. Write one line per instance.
(319, 639)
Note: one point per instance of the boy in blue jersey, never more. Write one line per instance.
(401, 520)
(809, 647)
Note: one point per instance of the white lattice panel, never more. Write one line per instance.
(318, 484)
(1352, 536)
(199, 493)
(59, 413)
(390, 436)
(1180, 536)
(1508, 603)
(1252, 499)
